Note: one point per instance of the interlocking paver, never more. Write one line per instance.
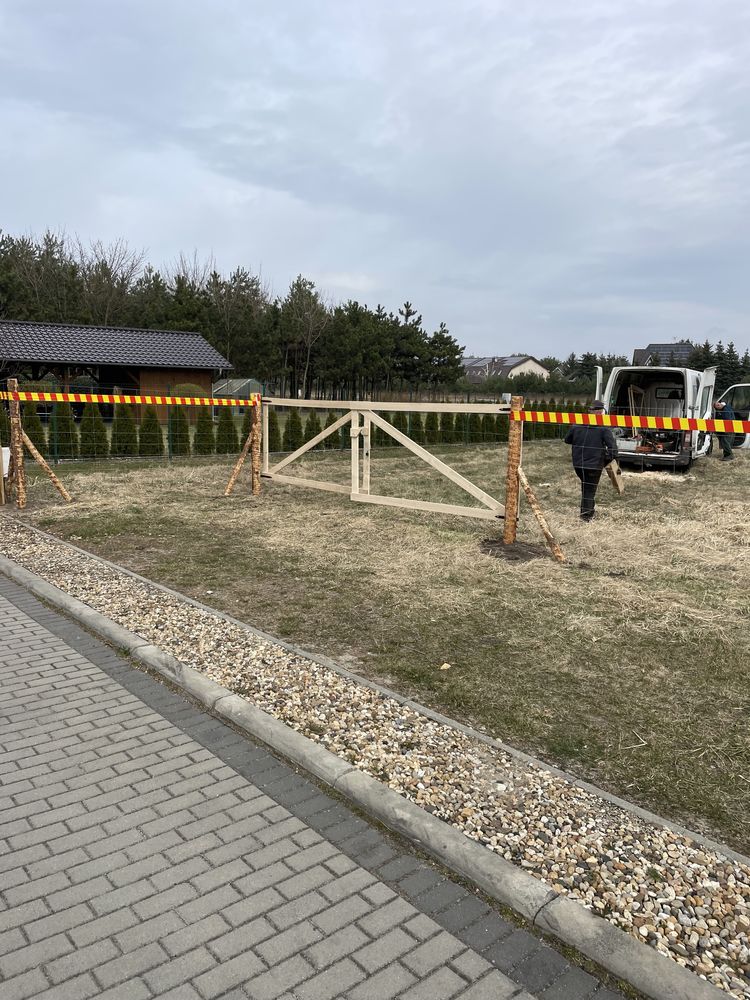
(147, 850)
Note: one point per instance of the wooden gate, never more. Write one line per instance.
(361, 415)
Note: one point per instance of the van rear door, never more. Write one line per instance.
(702, 409)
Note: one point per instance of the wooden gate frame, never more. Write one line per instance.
(361, 415)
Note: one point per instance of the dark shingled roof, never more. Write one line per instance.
(62, 343)
(680, 349)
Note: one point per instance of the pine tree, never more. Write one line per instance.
(204, 442)
(274, 434)
(179, 431)
(33, 427)
(124, 440)
(293, 435)
(94, 442)
(150, 438)
(432, 428)
(745, 367)
(475, 428)
(416, 428)
(447, 428)
(488, 428)
(312, 427)
(63, 433)
(226, 433)
(332, 441)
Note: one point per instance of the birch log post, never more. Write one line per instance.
(557, 552)
(255, 449)
(36, 455)
(16, 445)
(240, 462)
(515, 440)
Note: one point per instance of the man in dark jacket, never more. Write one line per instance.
(724, 411)
(593, 448)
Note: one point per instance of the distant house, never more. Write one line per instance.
(478, 369)
(676, 354)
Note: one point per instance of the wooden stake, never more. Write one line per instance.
(16, 445)
(354, 434)
(240, 462)
(2, 478)
(41, 461)
(255, 449)
(557, 552)
(515, 440)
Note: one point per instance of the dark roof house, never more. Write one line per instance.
(679, 351)
(148, 361)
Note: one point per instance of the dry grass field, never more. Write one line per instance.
(628, 665)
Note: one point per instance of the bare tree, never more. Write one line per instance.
(108, 272)
(306, 316)
(191, 271)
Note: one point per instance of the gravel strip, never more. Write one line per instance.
(687, 902)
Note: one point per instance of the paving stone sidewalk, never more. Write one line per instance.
(148, 850)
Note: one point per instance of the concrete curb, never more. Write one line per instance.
(652, 974)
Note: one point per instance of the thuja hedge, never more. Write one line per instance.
(63, 433)
(94, 442)
(124, 440)
(150, 438)
(33, 427)
(226, 433)
(204, 442)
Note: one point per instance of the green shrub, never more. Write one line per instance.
(188, 389)
(312, 427)
(274, 434)
(461, 428)
(475, 428)
(416, 427)
(178, 431)
(33, 427)
(501, 426)
(332, 441)
(204, 442)
(94, 442)
(247, 425)
(293, 436)
(488, 428)
(447, 428)
(226, 433)
(124, 440)
(399, 422)
(63, 433)
(150, 438)
(432, 428)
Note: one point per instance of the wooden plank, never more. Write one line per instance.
(439, 466)
(387, 407)
(557, 552)
(255, 446)
(354, 434)
(435, 508)
(264, 463)
(315, 484)
(614, 472)
(366, 434)
(515, 440)
(310, 444)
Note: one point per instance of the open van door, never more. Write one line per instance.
(599, 380)
(702, 409)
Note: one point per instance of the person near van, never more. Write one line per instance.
(725, 412)
(593, 448)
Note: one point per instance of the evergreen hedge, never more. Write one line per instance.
(400, 423)
(178, 431)
(501, 426)
(488, 428)
(461, 429)
(475, 428)
(274, 434)
(247, 425)
(416, 428)
(293, 436)
(332, 441)
(124, 439)
(312, 427)
(94, 442)
(432, 428)
(204, 442)
(33, 426)
(63, 433)
(226, 433)
(150, 438)
(447, 428)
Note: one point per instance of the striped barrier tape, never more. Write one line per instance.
(620, 420)
(98, 397)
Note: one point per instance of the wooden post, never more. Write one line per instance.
(515, 440)
(240, 461)
(40, 461)
(2, 477)
(255, 449)
(557, 552)
(366, 435)
(16, 445)
(354, 434)
(264, 440)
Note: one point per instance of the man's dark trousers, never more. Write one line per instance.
(589, 482)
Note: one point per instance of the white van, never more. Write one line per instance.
(738, 397)
(659, 392)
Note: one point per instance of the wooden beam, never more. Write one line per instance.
(515, 440)
(264, 462)
(16, 446)
(386, 407)
(554, 545)
(239, 463)
(366, 435)
(310, 444)
(425, 505)
(41, 462)
(255, 446)
(354, 435)
(439, 466)
(315, 484)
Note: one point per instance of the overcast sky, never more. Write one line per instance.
(542, 176)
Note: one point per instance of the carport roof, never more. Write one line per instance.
(66, 344)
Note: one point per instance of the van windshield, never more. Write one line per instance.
(648, 393)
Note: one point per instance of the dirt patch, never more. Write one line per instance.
(514, 552)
